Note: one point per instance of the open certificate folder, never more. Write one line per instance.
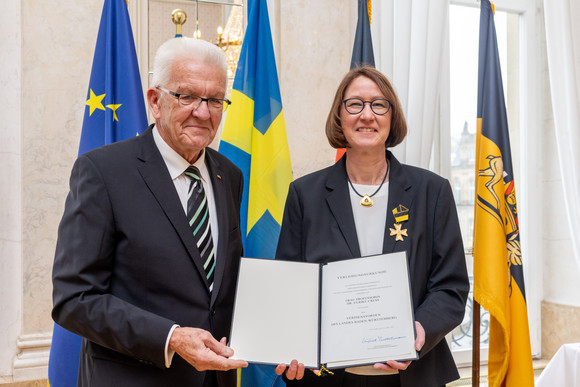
(340, 314)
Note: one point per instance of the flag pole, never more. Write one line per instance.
(475, 349)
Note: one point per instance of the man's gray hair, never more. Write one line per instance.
(178, 49)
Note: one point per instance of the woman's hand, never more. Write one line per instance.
(393, 365)
(420, 339)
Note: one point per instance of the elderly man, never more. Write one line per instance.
(149, 244)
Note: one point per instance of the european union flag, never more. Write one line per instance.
(115, 110)
(254, 138)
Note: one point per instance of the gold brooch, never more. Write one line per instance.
(398, 232)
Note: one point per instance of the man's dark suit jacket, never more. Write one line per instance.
(127, 267)
(318, 226)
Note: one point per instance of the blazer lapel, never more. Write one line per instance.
(154, 172)
(400, 194)
(338, 199)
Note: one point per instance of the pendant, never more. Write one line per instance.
(366, 201)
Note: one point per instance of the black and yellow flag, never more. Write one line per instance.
(362, 50)
(498, 273)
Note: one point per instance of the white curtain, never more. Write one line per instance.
(410, 41)
(563, 46)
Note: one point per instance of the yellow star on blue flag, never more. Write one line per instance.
(114, 107)
(95, 102)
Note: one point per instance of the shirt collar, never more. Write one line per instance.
(176, 164)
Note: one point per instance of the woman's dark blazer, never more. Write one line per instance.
(318, 226)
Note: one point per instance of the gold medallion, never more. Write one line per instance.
(398, 232)
(366, 201)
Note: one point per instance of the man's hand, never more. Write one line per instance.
(295, 370)
(199, 348)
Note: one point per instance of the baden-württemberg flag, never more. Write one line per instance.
(362, 51)
(254, 138)
(114, 111)
(498, 273)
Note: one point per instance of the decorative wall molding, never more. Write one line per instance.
(31, 363)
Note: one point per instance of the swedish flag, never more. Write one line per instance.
(114, 111)
(498, 273)
(254, 138)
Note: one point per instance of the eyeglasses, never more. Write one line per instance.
(192, 102)
(356, 105)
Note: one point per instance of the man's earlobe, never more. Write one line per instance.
(153, 101)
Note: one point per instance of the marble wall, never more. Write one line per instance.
(314, 46)
(11, 182)
(57, 51)
(48, 50)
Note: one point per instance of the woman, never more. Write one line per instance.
(368, 203)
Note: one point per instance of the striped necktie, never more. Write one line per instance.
(198, 217)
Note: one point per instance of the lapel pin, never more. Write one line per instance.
(401, 213)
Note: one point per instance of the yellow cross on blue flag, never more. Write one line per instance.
(254, 138)
(498, 273)
(114, 111)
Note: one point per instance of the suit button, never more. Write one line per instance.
(212, 312)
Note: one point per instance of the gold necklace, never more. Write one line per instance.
(366, 200)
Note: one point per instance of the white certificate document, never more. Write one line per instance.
(341, 314)
(365, 311)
